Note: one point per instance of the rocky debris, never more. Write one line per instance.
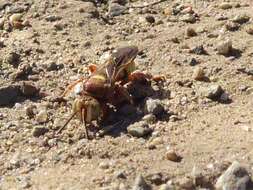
(30, 111)
(188, 18)
(13, 58)
(89, 10)
(139, 129)
(173, 156)
(241, 18)
(153, 106)
(23, 72)
(39, 131)
(42, 116)
(193, 62)
(140, 183)
(224, 47)
(236, 177)
(213, 91)
(225, 5)
(149, 118)
(166, 187)
(28, 89)
(150, 19)
(156, 178)
(232, 26)
(199, 50)
(52, 66)
(185, 183)
(116, 9)
(190, 32)
(249, 30)
(9, 94)
(198, 74)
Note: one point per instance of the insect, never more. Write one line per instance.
(102, 87)
(105, 85)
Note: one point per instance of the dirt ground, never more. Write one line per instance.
(64, 36)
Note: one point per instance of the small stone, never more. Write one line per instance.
(120, 175)
(116, 9)
(186, 183)
(2, 20)
(224, 97)
(236, 177)
(13, 58)
(149, 118)
(30, 111)
(166, 187)
(9, 94)
(241, 18)
(167, 11)
(15, 18)
(53, 18)
(193, 62)
(224, 47)
(212, 92)
(89, 10)
(232, 26)
(199, 50)
(104, 165)
(140, 184)
(173, 156)
(198, 74)
(28, 89)
(249, 30)
(190, 32)
(39, 131)
(42, 117)
(153, 106)
(150, 19)
(225, 5)
(189, 18)
(139, 129)
(156, 178)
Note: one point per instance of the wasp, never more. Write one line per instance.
(105, 85)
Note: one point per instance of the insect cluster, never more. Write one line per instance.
(106, 85)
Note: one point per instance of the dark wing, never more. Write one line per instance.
(121, 58)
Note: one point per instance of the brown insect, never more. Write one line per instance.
(105, 86)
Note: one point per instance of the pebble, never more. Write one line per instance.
(15, 19)
(249, 30)
(166, 187)
(116, 9)
(28, 89)
(150, 19)
(153, 106)
(193, 62)
(30, 111)
(236, 177)
(139, 129)
(198, 73)
(190, 32)
(149, 118)
(140, 183)
(225, 5)
(39, 131)
(89, 10)
(52, 18)
(213, 92)
(173, 156)
(103, 165)
(13, 58)
(189, 18)
(199, 50)
(42, 117)
(232, 26)
(186, 183)
(241, 18)
(224, 47)
(9, 94)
